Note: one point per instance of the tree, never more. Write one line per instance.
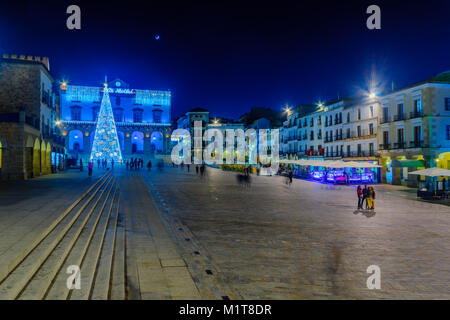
(106, 143)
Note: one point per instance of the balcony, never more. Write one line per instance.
(416, 144)
(399, 117)
(385, 120)
(385, 146)
(415, 114)
(328, 139)
(399, 145)
(338, 137)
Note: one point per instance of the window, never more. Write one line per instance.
(447, 104)
(348, 151)
(348, 133)
(75, 113)
(359, 114)
(418, 106)
(400, 136)
(370, 128)
(448, 132)
(359, 131)
(117, 101)
(95, 111)
(137, 115)
(359, 149)
(371, 111)
(385, 114)
(400, 111)
(371, 150)
(118, 114)
(348, 116)
(385, 138)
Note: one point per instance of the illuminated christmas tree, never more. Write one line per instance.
(106, 143)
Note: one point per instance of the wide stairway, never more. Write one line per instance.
(80, 255)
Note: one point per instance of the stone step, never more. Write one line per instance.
(90, 263)
(25, 268)
(59, 290)
(11, 258)
(41, 281)
(101, 287)
(118, 285)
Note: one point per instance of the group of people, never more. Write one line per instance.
(200, 168)
(104, 163)
(134, 164)
(366, 197)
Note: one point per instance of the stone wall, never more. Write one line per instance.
(20, 88)
(13, 154)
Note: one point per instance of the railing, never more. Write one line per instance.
(385, 146)
(399, 117)
(360, 134)
(399, 145)
(338, 137)
(415, 114)
(385, 120)
(416, 144)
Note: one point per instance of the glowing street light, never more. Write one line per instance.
(372, 95)
(287, 110)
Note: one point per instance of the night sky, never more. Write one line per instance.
(230, 56)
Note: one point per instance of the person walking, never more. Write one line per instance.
(90, 167)
(196, 169)
(188, 166)
(290, 175)
(360, 195)
(202, 170)
(112, 163)
(149, 165)
(131, 164)
(135, 164)
(98, 163)
(81, 164)
(127, 164)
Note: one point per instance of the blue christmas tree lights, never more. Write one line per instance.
(106, 143)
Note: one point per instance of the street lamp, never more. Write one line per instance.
(287, 110)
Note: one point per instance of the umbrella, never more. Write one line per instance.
(432, 172)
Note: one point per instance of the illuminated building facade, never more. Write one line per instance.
(142, 117)
(30, 143)
(404, 130)
(414, 130)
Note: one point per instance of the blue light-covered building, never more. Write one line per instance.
(143, 118)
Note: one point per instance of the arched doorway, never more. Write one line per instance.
(43, 157)
(137, 142)
(36, 158)
(156, 141)
(48, 158)
(443, 161)
(76, 142)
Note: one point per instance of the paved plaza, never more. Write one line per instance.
(189, 237)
